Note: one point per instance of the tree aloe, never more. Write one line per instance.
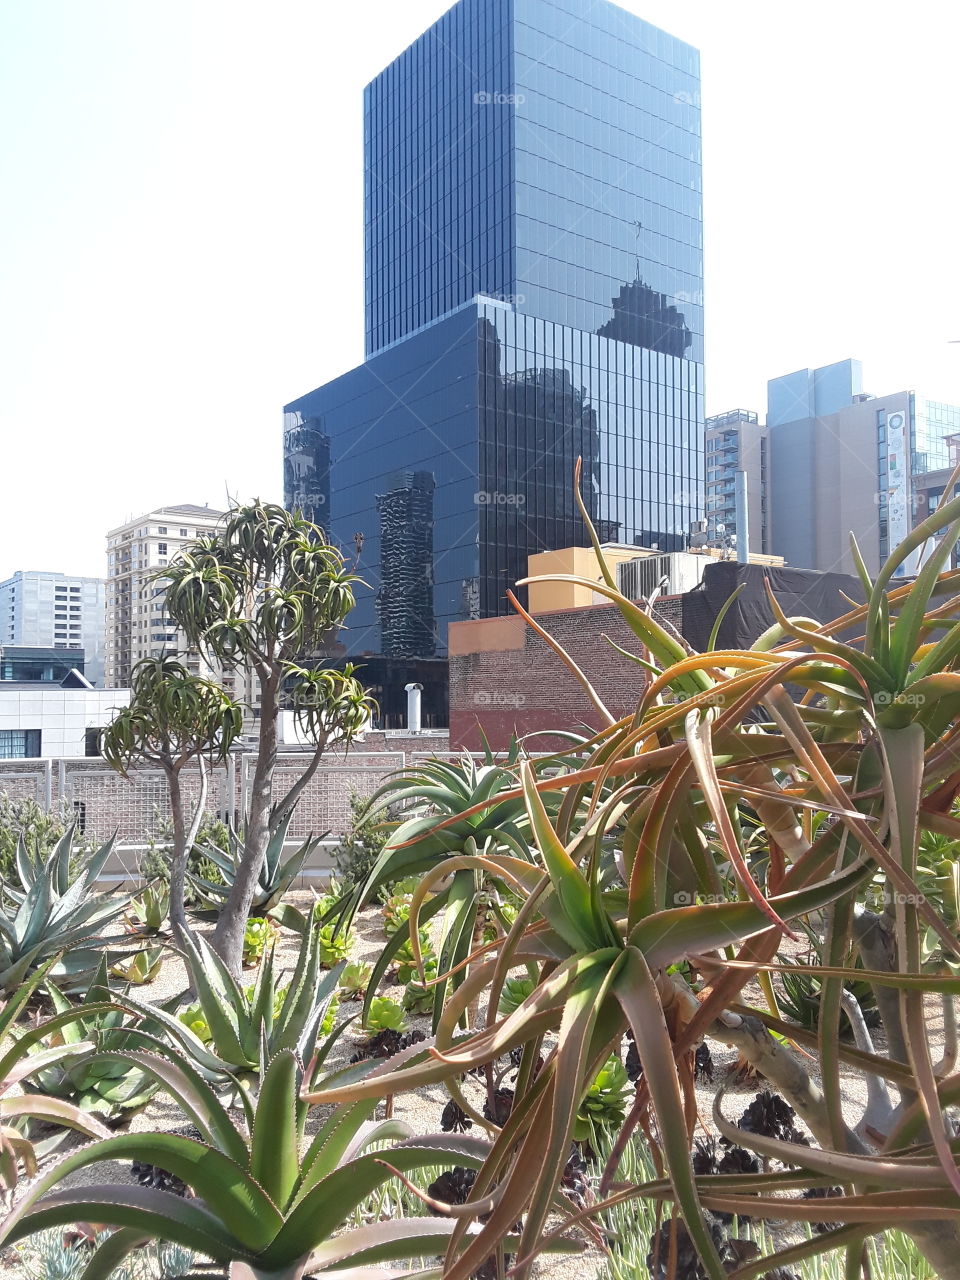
(174, 719)
(263, 592)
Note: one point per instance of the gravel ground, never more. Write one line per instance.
(421, 1109)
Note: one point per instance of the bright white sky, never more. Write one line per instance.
(181, 227)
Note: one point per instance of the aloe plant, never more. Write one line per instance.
(261, 1209)
(140, 969)
(645, 855)
(276, 875)
(56, 913)
(148, 910)
(16, 1064)
(232, 1031)
(111, 1090)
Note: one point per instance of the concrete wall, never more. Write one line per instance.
(824, 482)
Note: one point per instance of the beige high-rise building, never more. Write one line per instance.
(137, 622)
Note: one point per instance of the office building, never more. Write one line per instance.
(533, 275)
(45, 610)
(736, 465)
(844, 460)
(137, 625)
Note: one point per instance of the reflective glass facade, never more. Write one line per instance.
(449, 459)
(546, 153)
(533, 295)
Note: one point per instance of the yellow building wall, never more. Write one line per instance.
(580, 562)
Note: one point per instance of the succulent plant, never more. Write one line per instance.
(396, 912)
(385, 1015)
(18, 1061)
(453, 1119)
(354, 979)
(231, 1031)
(266, 1205)
(515, 991)
(147, 914)
(604, 1105)
(384, 1044)
(259, 933)
(56, 914)
(418, 996)
(276, 873)
(406, 961)
(334, 945)
(497, 1107)
(772, 1117)
(96, 1084)
(139, 969)
(673, 1254)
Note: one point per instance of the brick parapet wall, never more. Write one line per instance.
(505, 678)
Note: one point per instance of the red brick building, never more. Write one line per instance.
(505, 678)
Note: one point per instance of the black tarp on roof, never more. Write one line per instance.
(799, 592)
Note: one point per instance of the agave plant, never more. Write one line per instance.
(148, 910)
(276, 876)
(56, 913)
(460, 808)
(842, 777)
(140, 969)
(16, 1064)
(267, 1206)
(233, 1030)
(111, 1090)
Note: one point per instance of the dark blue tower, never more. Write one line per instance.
(533, 276)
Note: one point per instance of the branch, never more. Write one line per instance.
(879, 1109)
(289, 801)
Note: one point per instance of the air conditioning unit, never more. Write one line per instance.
(677, 571)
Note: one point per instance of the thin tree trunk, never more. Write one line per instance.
(288, 802)
(227, 939)
(178, 857)
(938, 1241)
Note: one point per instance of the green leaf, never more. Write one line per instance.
(636, 990)
(577, 924)
(274, 1155)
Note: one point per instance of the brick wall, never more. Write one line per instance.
(504, 678)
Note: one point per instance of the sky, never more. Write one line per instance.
(181, 228)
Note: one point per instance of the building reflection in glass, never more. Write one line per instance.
(482, 416)
(645, 318)
(405, 593)
(306, 468)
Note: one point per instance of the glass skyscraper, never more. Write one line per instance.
(533, 282)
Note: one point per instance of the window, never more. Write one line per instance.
(162, 547)
(19, 744)
(184, 533)
(91, 746)
(80, 809)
